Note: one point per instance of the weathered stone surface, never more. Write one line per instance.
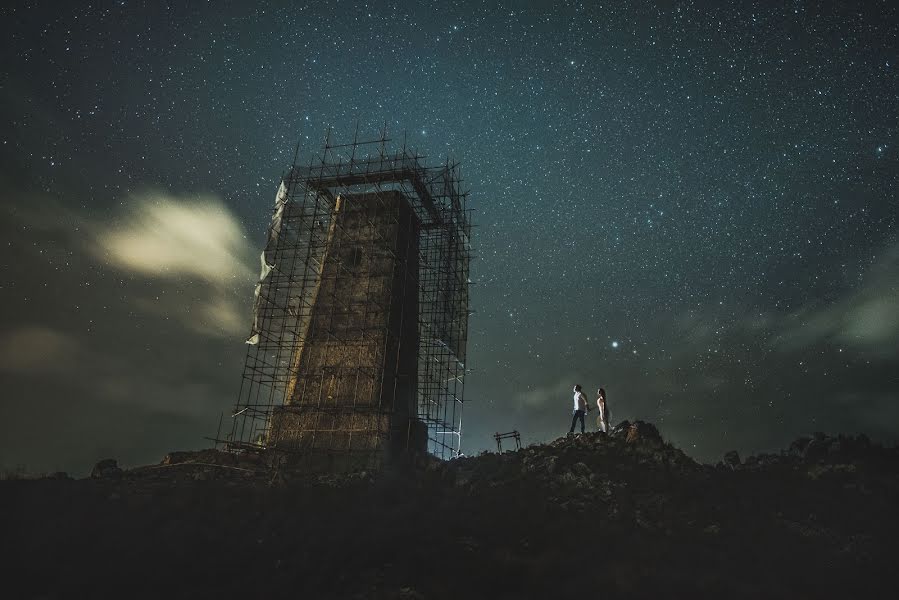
(354, 376)
(174, 458)
(816, 449)
(732, 459)
(621, 429)
(105, 469)
(644, 433)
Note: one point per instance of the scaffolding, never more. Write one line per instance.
(360, 315)
(511, 435)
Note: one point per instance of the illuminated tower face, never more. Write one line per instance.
(354, 373)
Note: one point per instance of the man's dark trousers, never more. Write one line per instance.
(578, 414)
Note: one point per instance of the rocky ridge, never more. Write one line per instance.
(637, 515)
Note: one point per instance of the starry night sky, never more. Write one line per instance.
(692, 205)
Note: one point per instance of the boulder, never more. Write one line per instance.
(621, 429)
(174, 458)
(107, 468)
(580, 469)
(732, 459)
(797, 447)
(643, 433)
(815, 450)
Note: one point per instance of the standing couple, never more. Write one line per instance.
(581, 408)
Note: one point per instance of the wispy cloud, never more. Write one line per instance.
(195, 242)
(546, 395)
(168, 236)
(37, 349)
(75, 400)
(193, 247)
(866, 318)
(133, 344)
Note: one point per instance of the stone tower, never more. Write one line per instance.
(360, 314)
(354, 375)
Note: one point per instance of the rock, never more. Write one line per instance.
(175, 458)
(815, 450)
(580, 469)
(797, 447)
(605, 490)
(766, 460)
(107, 468)
(550, 464)
(732, 459)
(567, 478)
(643, 522)
(837, 446)
(861, 443)
(643, 433)
(846, 446)
(462, 478)
(620, 429)
(821, 470)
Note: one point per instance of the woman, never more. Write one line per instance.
(602, 420)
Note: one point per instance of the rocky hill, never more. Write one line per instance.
(618, 516)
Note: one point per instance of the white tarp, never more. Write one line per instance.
(267, 262)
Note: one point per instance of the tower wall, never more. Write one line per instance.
(353, 378)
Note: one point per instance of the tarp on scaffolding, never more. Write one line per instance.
(267, 263)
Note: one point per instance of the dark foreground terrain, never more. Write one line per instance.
(593, 516)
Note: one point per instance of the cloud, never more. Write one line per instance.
(126, 327)
(168, 236)
(193, 248)
(37, 350)
(866, 318)
(226, 313)
(546, 395)
(73, 400)
(212, 311)
(194, 241)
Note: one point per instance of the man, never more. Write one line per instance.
(580, 409)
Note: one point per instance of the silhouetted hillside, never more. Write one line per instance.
(624, 516)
